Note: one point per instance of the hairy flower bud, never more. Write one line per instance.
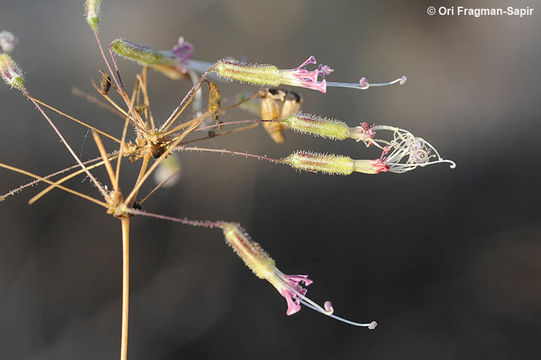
(270, 75)
(166, 61)
(254, 257)
(333, 164)
(92, 13)
(265, 75)
(10, 72)
(319, 126)
(144, 55)
(313, 162)
(329, 128)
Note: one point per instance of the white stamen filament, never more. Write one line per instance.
(400, 81)
(371, 325)
(314, 306)
(401, 149)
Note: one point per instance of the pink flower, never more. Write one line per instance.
(305, 78)
(264, 267)
(183, 51)
(290, 287)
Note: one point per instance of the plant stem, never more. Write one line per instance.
(125, 286)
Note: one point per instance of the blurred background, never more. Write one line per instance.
(447, 261)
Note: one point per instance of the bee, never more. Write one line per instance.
(105, 83)
(277, 103)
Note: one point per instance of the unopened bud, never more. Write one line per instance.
(93, 9)
(10, 72)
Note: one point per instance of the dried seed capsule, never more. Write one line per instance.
(10, 72)
(93, 9)
(105, 83)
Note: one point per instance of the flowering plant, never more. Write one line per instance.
(153, 144)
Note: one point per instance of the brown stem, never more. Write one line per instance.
(146, 160)
(125, 287)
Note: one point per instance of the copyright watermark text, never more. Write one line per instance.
(478, 12)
